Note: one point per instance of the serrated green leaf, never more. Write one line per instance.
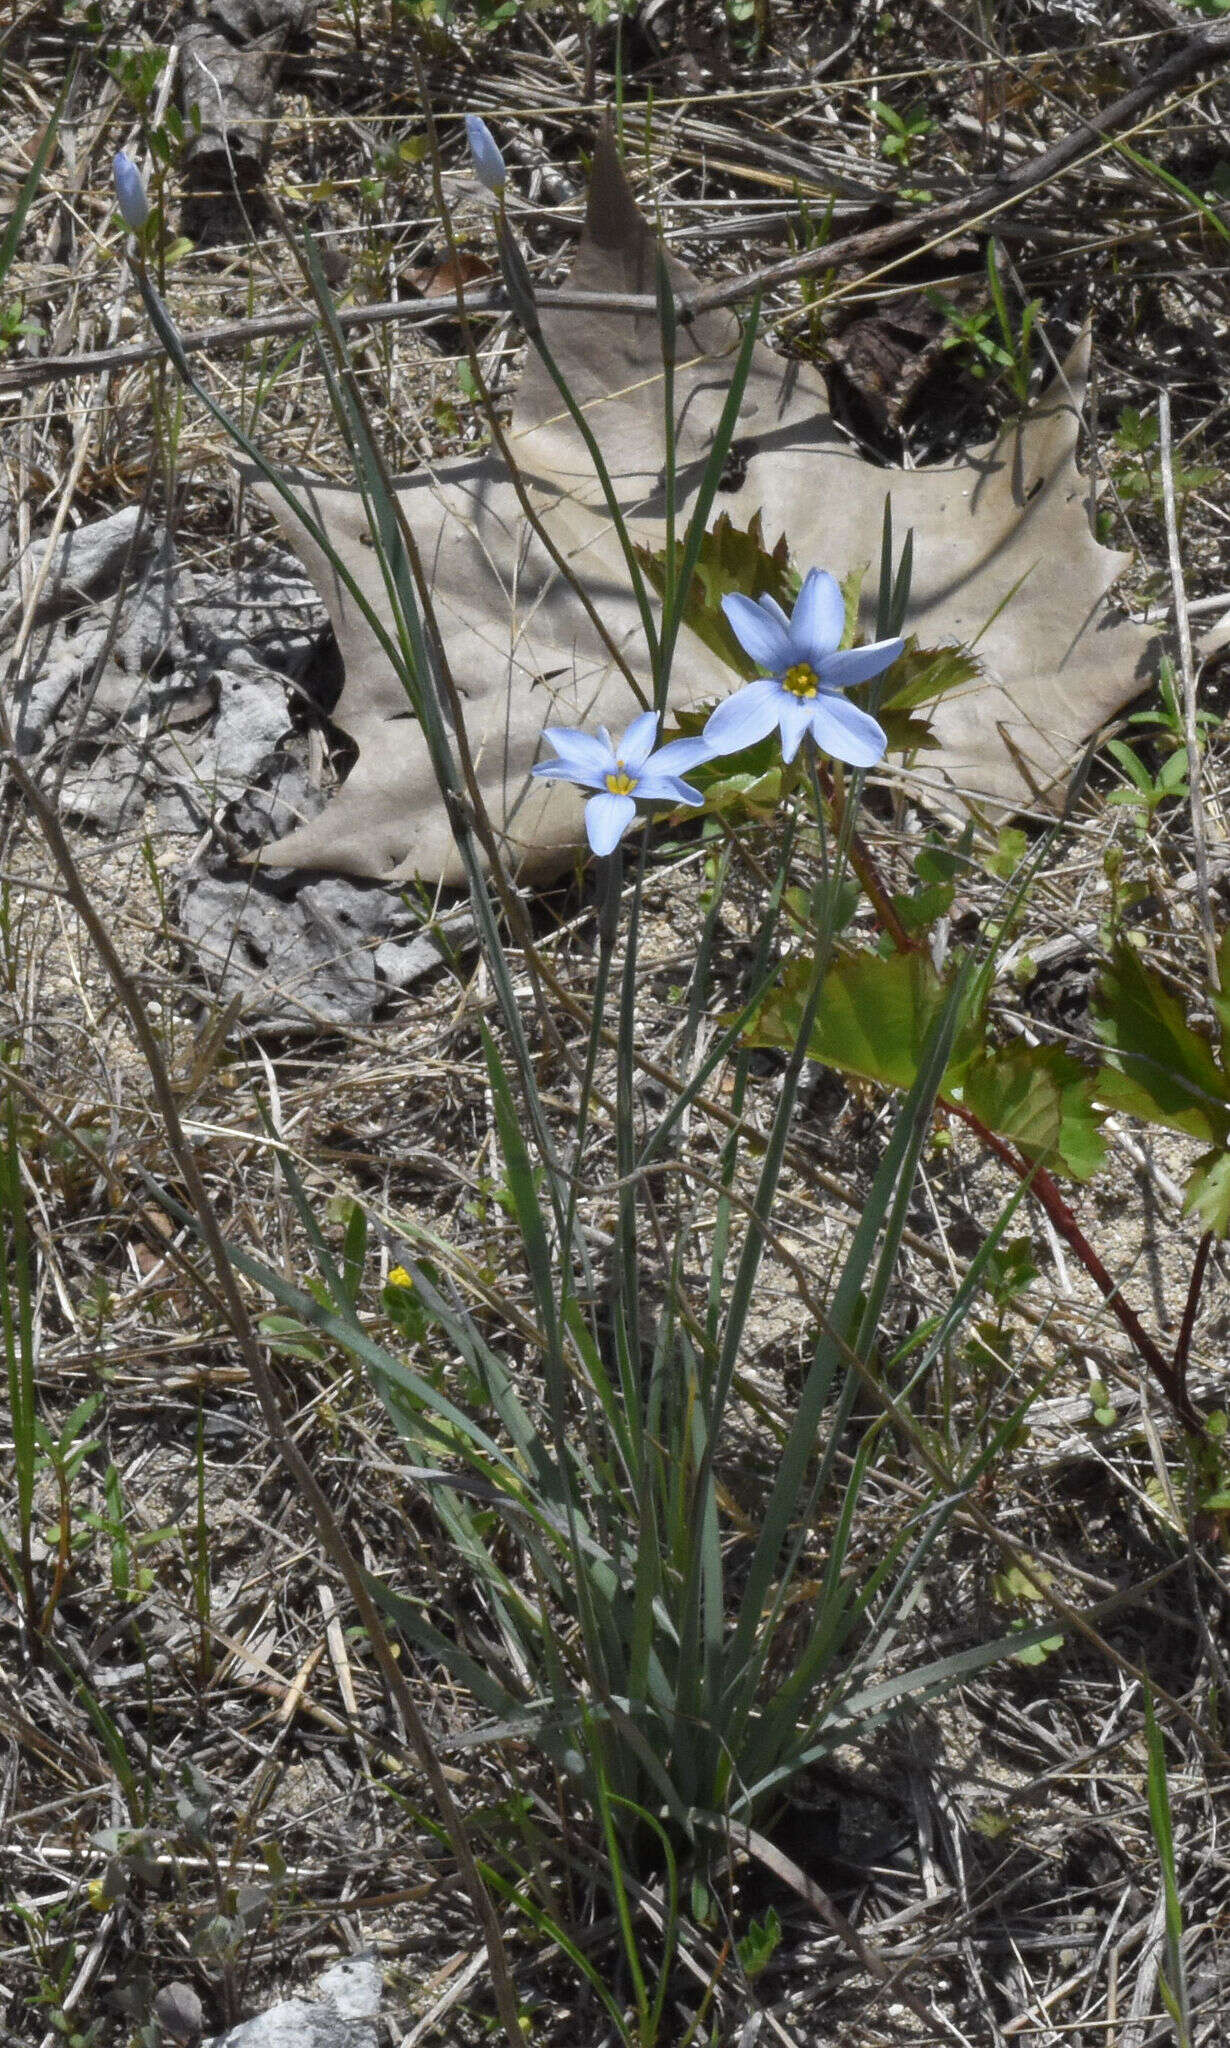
(919, 911)
(874, 1015)
(731, 558)
(1041, 1099)
(1207, 1197)
(873, 1020)
(851, 594)
(1159, 1069)
(1037, 1653)
(1011, 848)
(922, 675)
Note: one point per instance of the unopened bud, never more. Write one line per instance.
(488, 164)
(130, 192)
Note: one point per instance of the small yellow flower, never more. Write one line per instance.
(399, 1277)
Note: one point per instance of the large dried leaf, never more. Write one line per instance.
(1004, 559)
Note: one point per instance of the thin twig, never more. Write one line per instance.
(1187, 669)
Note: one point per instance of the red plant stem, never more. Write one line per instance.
(1194, 1286)
(863, 861)
(1170, 1378)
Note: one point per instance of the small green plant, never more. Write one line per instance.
(903, 131)
(1146, 792)
(1136, 471)
(161, 1856)
(757, 1948)
(1159, 730)
(573, 1405)
(14, 326)
(994, 344)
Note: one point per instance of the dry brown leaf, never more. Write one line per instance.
(439, 280)
(1004, 559)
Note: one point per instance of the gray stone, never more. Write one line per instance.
(284, 796)
(343, 2014)
(354, 1987)
(53, 666)
(217, 767)
(402, 962)
(298, 960)
(147, 638)
(296, 2023)
(317, 952)
(177, 2010)
(252, 718)
(230, 63)
(268, 614)
(155, 702)
(85, 563)
(108, 793)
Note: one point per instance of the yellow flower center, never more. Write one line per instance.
(621, 783)
(801, 680)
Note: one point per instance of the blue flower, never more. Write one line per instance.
(807, 673)
(488, 164)
(623, 774)
(130, 192)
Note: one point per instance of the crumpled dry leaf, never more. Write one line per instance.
(1004, 556)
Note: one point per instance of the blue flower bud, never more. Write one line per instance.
(130, 192)
(484, 154)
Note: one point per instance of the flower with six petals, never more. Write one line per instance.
(808, 670)
(623, 775)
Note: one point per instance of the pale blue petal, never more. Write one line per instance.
(847, 733)
(485, 156)
(770, 604)
(857, 664)
(667, 789)
(741, 720)
(564, 771)
(758, 633)
(794, 717)
(679, 755)
(582, 749)
(607, 818)
(636, 745)
(130, 192)
(819, 617)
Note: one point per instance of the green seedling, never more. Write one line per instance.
(995, 345)
(1160, 728)
(904, 131)
(1136, 471)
